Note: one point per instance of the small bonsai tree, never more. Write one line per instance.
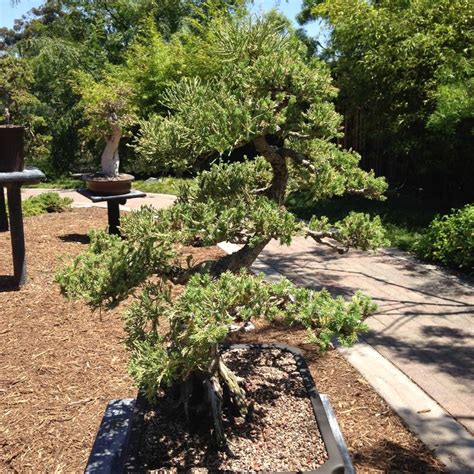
(262, 91)
(109, 108)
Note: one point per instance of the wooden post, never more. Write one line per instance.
(113, 212)
(17, 234)
(3, 211)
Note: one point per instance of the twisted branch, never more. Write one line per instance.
(318, 237)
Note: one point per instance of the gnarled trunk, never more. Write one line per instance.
(212, 390)
(279, 169)
(221, 387)
(110, 156)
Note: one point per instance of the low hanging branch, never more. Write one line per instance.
(320, 236)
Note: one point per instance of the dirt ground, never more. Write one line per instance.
(60, 365)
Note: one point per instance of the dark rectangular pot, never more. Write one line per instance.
(118, 441)
(11, 148)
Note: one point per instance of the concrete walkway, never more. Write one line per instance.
(425, 322)
(156, 200)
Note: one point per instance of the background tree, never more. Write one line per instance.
(18, 106)
(398, 65)
(109, 108)
(260, 88)
(62, 36)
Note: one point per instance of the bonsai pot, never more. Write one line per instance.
(11, 148)
(102, 185)
(124, 437)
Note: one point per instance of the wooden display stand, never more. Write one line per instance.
(13, 181)
(113, 202)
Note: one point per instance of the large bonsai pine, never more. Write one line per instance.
(258, 87)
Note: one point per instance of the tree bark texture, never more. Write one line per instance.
(110, 156)
(279, 169)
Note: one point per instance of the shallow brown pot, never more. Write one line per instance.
(102, 185)
(11, 148)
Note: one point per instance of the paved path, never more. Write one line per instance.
(425, 321)
(157, 200)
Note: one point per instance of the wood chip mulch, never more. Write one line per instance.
(60, 365)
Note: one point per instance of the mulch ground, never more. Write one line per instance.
(60, 365)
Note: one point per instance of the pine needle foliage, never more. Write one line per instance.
(259, 89)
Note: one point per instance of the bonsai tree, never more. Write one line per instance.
(108, 107)
(263, 90)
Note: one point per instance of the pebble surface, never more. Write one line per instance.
(281, 436)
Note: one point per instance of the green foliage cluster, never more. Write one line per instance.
(111, 268)
(449, 240)
(221, 205)
(405, 70)
(45, 202)
(110, 99)
(357, 230)
(337, 173)
(238, 98)
(160, 358)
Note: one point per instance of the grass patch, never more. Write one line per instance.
(166, 185)
(64, 182)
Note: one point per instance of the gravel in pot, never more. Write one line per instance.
(281, 434)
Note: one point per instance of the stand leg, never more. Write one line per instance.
(113, 212)
(17, 234)
(3, 211)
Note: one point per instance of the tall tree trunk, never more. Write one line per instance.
(110, 157)
(279, 169)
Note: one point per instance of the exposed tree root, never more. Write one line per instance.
(212, 392)
(236, 393)
(215, 397)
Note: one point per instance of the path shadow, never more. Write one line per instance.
(75, 238)
(446, 353)
(8, 283)
(329, 277)
(452, 333)
(413, 265)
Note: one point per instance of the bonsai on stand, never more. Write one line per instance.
(109, 109)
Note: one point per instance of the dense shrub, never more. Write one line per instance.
(450, 239)
(45, 202)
